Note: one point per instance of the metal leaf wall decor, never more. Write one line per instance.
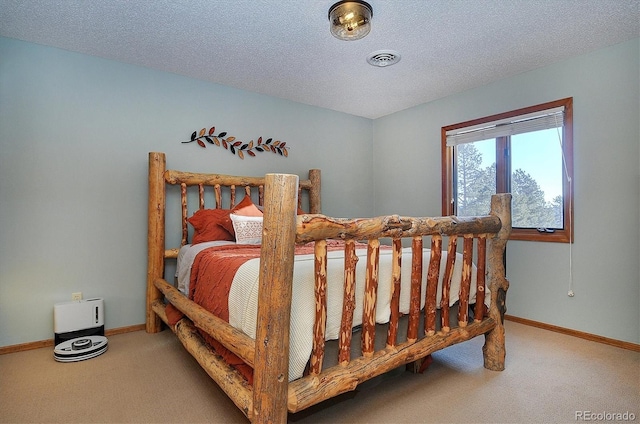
(238, 147)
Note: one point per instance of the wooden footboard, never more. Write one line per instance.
(488, 234)
(272, 395)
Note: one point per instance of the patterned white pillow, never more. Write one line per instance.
(248, 229)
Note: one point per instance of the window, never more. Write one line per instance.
(526, 152)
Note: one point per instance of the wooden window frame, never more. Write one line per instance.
(564, 235)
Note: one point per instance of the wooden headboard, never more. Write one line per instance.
(225, 190)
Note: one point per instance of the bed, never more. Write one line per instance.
(362, 296)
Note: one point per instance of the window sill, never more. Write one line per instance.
(559, 236)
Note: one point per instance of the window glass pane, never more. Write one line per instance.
(536, 179)
(475, 177)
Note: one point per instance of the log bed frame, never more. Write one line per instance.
(272, 396)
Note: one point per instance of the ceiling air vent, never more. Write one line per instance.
(382, 58)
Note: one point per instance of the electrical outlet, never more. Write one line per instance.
(76, 296)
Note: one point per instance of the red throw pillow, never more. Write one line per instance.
(208, 225)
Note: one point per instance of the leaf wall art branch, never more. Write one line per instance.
(238, 147)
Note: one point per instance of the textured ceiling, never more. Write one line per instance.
(283, 48)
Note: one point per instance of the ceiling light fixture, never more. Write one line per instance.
(350, 20)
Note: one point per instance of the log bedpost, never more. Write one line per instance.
(271, 372)
(155, 236)
(494, 347)
(315, 203)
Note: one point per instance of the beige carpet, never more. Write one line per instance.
(145, 378)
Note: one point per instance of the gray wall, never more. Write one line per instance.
(75, 132)
(606, 276)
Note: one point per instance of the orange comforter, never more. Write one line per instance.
(211, 277)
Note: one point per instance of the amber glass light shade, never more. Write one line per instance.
(350, 20)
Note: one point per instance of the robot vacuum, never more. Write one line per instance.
(80, 348)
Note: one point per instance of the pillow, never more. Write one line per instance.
(248, 229)
(244, 208)
(207, 225)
